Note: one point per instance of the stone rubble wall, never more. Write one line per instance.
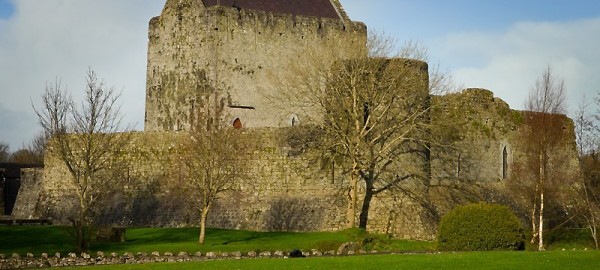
(16, 261)
(282, 193)
(27, 204)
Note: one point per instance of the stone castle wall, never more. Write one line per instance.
(243, 53)
(489, 149)
(486, 126)
(283, 192)
(294, 192)
(490, 138)
(28, 205)
(239, 52)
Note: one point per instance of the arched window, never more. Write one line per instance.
(237, 123)
(504, 163)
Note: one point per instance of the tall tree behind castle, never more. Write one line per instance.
(544, 135)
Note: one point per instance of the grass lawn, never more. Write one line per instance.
(467, 260)
(51, 239)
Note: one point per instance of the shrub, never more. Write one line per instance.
(369, 241)
(376, 242)
(327, 245)
(480, 226)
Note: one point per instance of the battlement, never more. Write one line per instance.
(311, 8)
(247, 18)
(478, 92)
(221, 17)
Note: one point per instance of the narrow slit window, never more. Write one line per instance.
(504, 163)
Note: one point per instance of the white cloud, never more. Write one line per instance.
(509, 63)
(50, 39)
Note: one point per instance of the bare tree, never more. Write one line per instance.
(213, 156)
(85, 138)
(32, 153)
(586, 130)
(586, 195)
(24, 156)
(373, 113)
(4, 153)
(543, 136)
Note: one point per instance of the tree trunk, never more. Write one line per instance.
(594, 232)
(541, 213)
(203, 216)
(79, 237)
(82, 236)
(534, 231)
(351, 211)
(541, 225)
(80, 226)
(364, 213)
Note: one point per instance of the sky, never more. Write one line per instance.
(500, 45)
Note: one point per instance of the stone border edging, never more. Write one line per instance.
(15, 261)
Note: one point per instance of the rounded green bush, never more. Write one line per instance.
(480, 226)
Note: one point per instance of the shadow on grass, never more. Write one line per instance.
(52, 239)
(186, 239)
(24, 239)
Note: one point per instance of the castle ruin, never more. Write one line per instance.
(237, 47)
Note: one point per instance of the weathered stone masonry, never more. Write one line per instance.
(235, 50)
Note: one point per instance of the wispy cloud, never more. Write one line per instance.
(60, 39)
(509, 62)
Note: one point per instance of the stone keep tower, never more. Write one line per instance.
(238, 48)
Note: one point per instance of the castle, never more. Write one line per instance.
(237, 46)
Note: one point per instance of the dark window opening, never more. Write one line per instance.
(333, 171)
(237, 123)
(366, 112)
(504, 163)
(242, 107)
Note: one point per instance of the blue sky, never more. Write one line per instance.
(428, 18)
(501, 45)
(6, 9)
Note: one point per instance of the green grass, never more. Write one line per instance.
(51, 239)
(466, 260)
(569, 239)
(38, 239)
(35, 239)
